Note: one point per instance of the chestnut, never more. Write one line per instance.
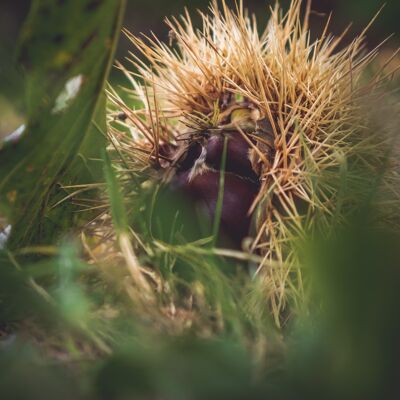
(239, 194)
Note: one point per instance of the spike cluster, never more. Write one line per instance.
(291, 103)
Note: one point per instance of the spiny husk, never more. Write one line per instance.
(309, 92)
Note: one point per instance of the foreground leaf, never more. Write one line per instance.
(66, 50)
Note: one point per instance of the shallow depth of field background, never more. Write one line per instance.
(146, 16)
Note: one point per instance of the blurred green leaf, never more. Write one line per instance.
(184, 368)
(21, 362)
(66, 50)
(72, 303)
(17, 297)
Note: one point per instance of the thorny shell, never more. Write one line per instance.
(289, 106)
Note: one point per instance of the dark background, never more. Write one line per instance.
(148, 15)
(145, 15)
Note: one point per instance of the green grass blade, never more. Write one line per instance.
(116, 198)
(220, 199)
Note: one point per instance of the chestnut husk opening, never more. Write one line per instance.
(199, 191)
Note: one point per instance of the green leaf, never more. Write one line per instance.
(87, 166)
(66, 50)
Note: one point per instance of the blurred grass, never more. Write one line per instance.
(348, 349)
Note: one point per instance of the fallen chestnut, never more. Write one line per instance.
(196, 177)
